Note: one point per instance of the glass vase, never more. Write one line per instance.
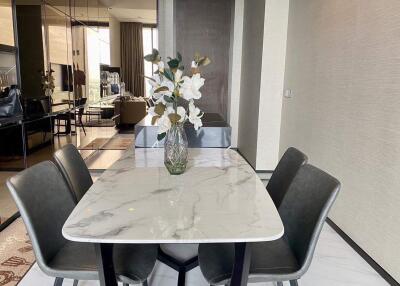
(176, 149)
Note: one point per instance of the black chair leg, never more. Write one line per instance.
(75, 282)
(279, 283)
(182, 277)
(293, 283)
(125, 284)
(81, 124)
(58, 281)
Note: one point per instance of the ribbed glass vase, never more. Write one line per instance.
(176, 149)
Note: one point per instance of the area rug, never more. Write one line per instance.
(108, 144)
(16, 253)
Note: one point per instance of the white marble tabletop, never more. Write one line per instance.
(218, 199)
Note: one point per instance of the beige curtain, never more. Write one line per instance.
(132, 66)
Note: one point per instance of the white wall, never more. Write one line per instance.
(272, 78)
(235, 69)
(166, 28)
(262, 74)
(344, 69)
(253, 31)
(115, 42)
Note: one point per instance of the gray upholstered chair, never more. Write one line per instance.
(45, 202)
(180, 257)
(74, 170)
(284, 174)
(303, 212)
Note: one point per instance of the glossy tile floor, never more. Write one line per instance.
(335, 264)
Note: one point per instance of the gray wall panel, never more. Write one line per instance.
(204, 27)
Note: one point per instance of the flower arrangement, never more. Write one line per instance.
(169, 86)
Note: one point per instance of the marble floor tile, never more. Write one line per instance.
(335, 264)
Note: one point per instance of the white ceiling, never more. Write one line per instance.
(144, 11)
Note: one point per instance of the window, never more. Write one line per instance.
(150, 42)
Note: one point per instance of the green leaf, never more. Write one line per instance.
(161, 136)
(161, 88)
(149, 57)
(169, 74)
(173, 64)
(197, 57)
(174, 118)
(204, 61)
(178, 56)
(168, 99)
(159, 109)
(154, 57)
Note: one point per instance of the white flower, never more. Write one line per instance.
(152, 112)
(161, 66)
(180, 111)
(158, 82)
(190, 87)
(178, 75)
(164, 124)
(194, 64)
(195, 116)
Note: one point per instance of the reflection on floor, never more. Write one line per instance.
(335, 264)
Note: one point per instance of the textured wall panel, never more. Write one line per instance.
(343, 64)
(204, 27)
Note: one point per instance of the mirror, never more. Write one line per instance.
(6, 23)
(8, 71)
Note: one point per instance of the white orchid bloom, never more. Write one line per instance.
(190, 87)
(164, 124)
(178, 75)
(195, 115)
(161, 66)
(152, 112)
(158, 82)
(181, 111)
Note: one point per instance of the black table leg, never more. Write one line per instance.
(104, 253)
(241, 266)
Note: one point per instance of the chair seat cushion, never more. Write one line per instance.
(269, 260)
(133, 263)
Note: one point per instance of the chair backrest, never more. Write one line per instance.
(45, 202)
(74, 170)
(284, 174)
(304, 210)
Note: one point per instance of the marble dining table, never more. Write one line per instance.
(219, 199)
